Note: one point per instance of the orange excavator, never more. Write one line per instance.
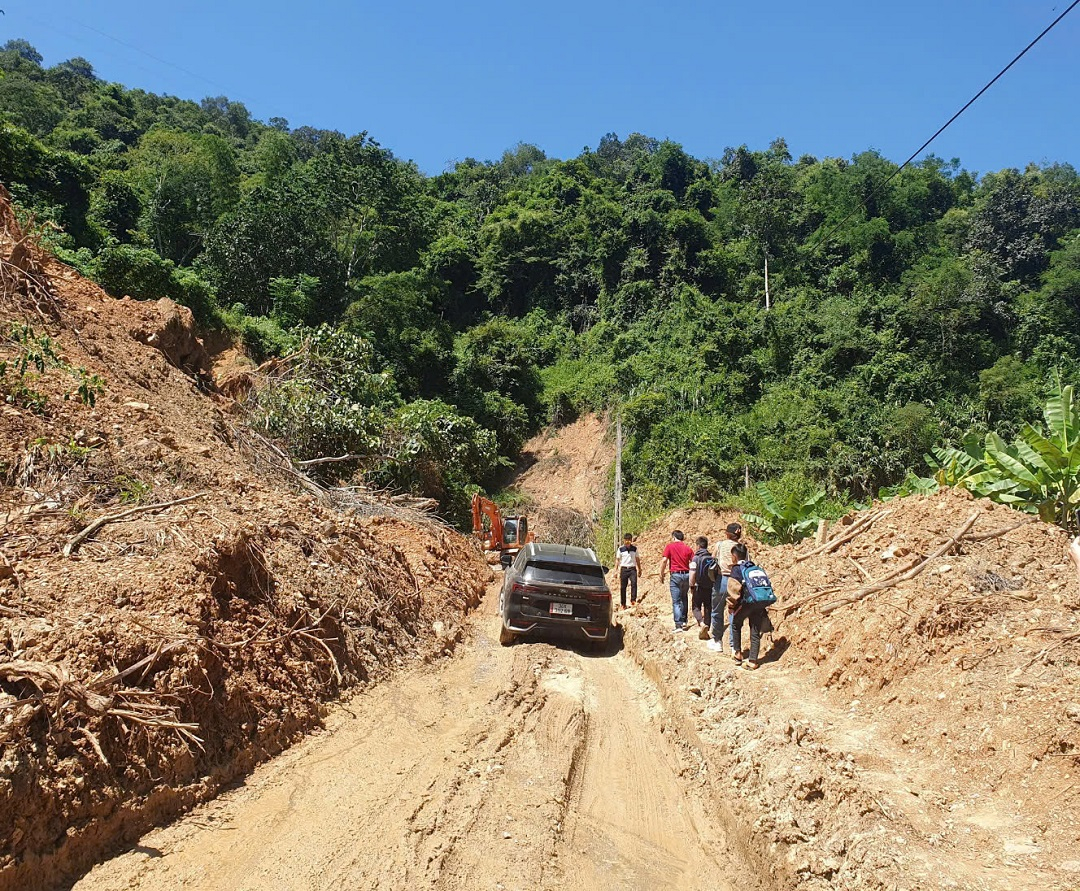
(508, 535)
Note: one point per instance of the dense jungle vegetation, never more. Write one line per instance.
(445, 318)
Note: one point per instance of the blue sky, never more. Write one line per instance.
(439, 82)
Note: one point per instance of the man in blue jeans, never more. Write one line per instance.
(677, 557)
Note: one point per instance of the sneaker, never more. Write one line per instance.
(679, 629)
(716, 646)
(703, 633)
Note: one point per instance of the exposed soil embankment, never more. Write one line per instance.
(565, 479)
(172, 611)
(924, 736)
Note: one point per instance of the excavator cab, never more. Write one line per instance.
(515, 532)
(497, 533)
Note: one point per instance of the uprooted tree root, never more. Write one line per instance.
(23, 281)
(70, 703)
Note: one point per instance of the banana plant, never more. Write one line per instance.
(910, 485)
(787, 521)
(1039, 472)
(955, 466)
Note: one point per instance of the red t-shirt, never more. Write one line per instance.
(679, 555)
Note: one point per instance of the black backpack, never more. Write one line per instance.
(707, 567)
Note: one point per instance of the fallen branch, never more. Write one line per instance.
(817, 595)
(322, 643)
(904, 577)
(986, 536)
(340, 458)
(831, 546)
(76, 540)
(1065, 635)
(95, 744)
(862, 572)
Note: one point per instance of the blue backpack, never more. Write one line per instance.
(757, 589)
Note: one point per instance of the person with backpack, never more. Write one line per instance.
(702, 578)
(677, 557)
(724, 562)
(750, 594)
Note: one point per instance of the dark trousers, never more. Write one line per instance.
(755, 615)
(702, 603)
(627, 576)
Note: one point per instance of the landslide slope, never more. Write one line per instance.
(172, 648)
(924, 736)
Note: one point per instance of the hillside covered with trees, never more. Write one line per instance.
(442, 319)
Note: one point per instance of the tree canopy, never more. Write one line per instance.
(905, 308)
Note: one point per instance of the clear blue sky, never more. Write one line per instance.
(439, 82)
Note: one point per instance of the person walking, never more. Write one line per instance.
(724, 563)
(742, 609)
(676, 559)
(701, 586)
(629, 569)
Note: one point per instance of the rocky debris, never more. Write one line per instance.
(170, 328)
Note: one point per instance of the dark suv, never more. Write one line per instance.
(558, 588)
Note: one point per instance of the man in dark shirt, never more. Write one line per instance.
(742, 611)
(677, 557)
(701, 587)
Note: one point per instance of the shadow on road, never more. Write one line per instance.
(588, 649)
(776, 651)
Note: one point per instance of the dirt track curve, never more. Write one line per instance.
(523, 768)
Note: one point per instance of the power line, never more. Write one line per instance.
(50, 26)
(945, 126)
(156, 58)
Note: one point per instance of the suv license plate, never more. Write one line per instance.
(562, 609)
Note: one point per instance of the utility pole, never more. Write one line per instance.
(768, 304)
(618, 482)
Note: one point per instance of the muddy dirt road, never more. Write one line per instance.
(522, 768)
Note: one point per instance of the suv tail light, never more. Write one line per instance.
(518, 588)
(599, 595)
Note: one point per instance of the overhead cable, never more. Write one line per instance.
(945, 126)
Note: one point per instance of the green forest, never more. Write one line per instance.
(443, 319)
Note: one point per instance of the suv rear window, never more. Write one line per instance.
(546, 568)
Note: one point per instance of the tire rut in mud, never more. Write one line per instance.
(529, 767)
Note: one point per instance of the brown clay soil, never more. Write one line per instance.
(927, 736)
(173, 648)
(924, 736)
(530, 767)
(563, 478)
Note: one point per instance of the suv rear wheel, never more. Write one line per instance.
(506, 636)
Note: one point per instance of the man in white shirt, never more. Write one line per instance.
(629, 569)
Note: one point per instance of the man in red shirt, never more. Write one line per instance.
(677, 557)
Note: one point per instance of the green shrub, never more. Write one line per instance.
(126, 270)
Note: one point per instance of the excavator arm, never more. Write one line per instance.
(487, 523)
(498, 533)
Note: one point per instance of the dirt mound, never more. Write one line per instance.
(926, 734)
(170, 612)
